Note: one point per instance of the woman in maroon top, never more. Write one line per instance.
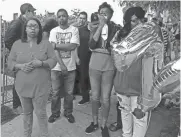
(32, 59)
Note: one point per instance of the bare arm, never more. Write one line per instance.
(58, 56)
(102, 22)
(59, 59)
(94, 37)
(75, 54)
(66, 47)
(61, 63)
(98, 33)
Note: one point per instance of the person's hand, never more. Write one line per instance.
(138, 113)
(64, 70)
(27, 67)
(77, 61)
(37, 63)
(102, 20)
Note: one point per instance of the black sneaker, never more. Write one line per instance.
(70, 118)
(91, 128)
(105, 132)
(53, 118)
(83, 102)
(115, 126)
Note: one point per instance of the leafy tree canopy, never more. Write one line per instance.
(173, 7)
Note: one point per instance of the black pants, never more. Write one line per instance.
(76, 90)
(82, 83)
(16, 100)
(119, 120)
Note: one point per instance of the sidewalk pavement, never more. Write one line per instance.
(62, 128)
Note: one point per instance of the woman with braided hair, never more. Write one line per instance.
(134, 50)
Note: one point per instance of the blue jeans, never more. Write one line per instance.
(62, 86)
(101, 85)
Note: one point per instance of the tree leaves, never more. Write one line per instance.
(159, 6)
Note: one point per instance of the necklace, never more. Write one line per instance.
(32, 54)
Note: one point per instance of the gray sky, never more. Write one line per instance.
(8, 7)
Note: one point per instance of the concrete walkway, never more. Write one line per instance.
(62, 128)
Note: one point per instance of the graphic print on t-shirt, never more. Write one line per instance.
(63, 38)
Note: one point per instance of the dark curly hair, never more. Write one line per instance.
(106, 5)
(24, 34)
(124, 31)
(137, 11)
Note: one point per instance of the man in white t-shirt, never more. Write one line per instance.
(65, 39)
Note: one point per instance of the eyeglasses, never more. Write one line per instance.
(32, 26)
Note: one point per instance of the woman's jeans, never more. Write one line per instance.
(101, 85)
(132, 127)
(39, 106)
